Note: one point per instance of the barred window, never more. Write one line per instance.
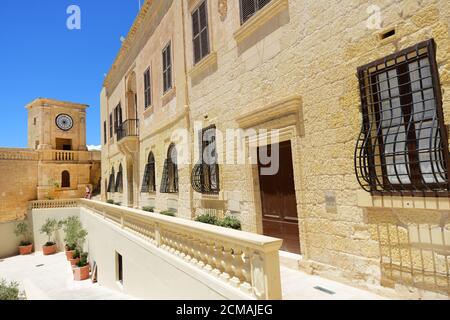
(149, 181)
(200, 32)
(147, 89)
(167, 68)
(205, 175)
(111, 181)
(403, 144)
(250, 7)
(119, 180)
(169, 180)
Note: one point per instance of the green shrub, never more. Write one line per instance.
(118, 203)
(208, 219)
(22, 230)
(49, 228)
(148, 209)
(75, 234)
(83, 260)
(231, 222)
(9, 291)
(169, 213)
(110, 201)
(228, 222)
(76, 254)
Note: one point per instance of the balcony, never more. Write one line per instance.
(128, 137)
(128, 128)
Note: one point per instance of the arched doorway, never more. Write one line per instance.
(65, 179)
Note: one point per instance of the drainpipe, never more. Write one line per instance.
(187, 107)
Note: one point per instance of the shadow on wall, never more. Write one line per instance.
(9, 242)
(414, 248)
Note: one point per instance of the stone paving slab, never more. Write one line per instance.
(298, 285)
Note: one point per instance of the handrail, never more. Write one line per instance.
(246, 261)
(128, 128)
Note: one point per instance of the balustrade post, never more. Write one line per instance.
(265, 270)
(158, 235)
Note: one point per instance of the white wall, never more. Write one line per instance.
(149, 272)
(38, 217)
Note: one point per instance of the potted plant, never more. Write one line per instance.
(75, 258)
(81, 272)
(26, 246)
(72, 227)
(49, 228)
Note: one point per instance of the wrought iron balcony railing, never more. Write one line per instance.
(128, 128)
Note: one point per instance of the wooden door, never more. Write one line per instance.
(279, 204)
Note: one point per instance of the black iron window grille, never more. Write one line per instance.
(149, 181)
(403, 144)
(205, 174)
(167, 68)
(250, 7)
(200, 32)
(169, 180)
(147, 89)
(119, 181)
(112, 177)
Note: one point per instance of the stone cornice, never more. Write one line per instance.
(39, 102)
(145, 24)
(128, 42)
(279, 109)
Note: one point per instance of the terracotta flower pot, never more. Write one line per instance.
(74, 262)
(81, 274)
(69, 254)
(25, 250)
(49, 250)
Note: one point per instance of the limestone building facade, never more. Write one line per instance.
(56, 164)
(362, 187)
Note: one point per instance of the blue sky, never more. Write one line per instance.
(41, 57)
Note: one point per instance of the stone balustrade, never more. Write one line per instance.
(245, 261)
(18, 154)
(65, 156)
(51, 204)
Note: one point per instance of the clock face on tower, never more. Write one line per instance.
(64, 122)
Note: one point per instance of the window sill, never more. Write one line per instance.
(148, 112)
(202, 65)
(366, 200)
(168, 96)
(261, 17)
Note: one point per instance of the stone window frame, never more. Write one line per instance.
(206, 29)
(167, 66)
(202, 174)
(148, 97)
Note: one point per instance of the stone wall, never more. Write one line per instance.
(18, 182)
(308, 51)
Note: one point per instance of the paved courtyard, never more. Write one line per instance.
(298, 285)
(50, 278)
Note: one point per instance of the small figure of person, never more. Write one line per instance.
(88, 193)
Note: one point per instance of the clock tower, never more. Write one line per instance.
(57, 133)
(56, 125)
